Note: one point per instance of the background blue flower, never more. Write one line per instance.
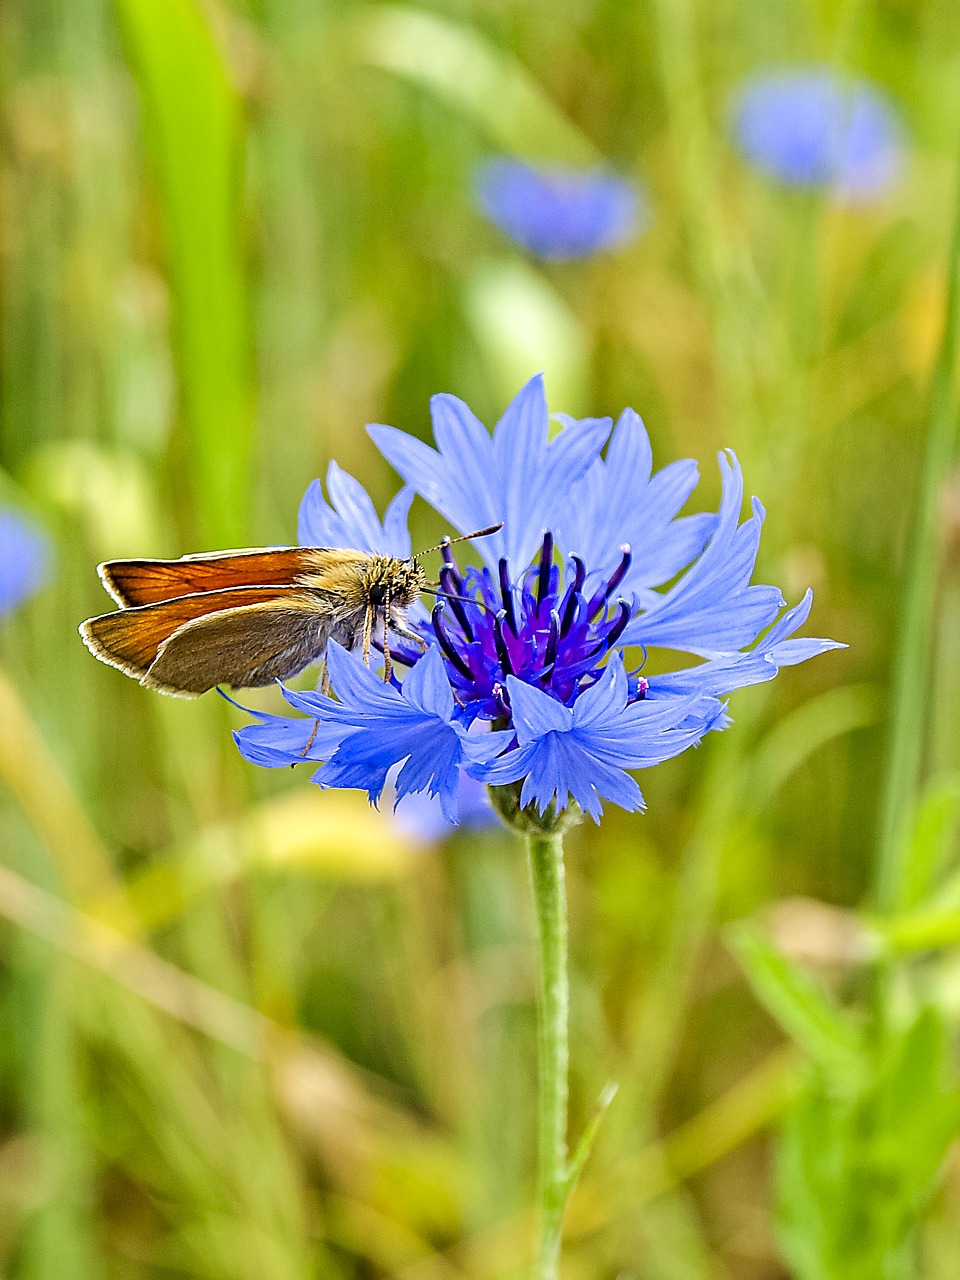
(812, 128)
(421, 815)
(560, 213)
(24, 560)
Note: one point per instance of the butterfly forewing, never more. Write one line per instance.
(136, 582)
(244, 618)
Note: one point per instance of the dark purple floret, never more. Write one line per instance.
(541, 628)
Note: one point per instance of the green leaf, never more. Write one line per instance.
(926, 841)
(798, 1003)
(856, 1168)
(473, 76)
(194, 128)
(589, 1136)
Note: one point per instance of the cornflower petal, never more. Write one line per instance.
(375, 726)
(712, 609)
(620, 501)
(519, 476)
(732, 671)
(583, 751)
(277, 741)
(350, 519)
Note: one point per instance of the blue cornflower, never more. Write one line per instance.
(421, 816)
(24, 560)
(813, 129)
(560, 213)
(521, 675)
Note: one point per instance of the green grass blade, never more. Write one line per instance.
(911, 673)
(193, 122)
(797, 1001)
(472, 75)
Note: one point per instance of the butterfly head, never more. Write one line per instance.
(399, 580)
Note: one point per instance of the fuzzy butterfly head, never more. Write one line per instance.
(390, 581)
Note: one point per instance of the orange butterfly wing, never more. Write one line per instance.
(137, 582)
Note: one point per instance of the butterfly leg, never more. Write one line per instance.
(367, 634)
(325, 690)
(387, 659)
(310, 740)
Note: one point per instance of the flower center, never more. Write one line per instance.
(545, 629)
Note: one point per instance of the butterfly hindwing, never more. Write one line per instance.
(131, 639)
(245, 647)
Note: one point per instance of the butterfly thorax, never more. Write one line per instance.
(358, 579)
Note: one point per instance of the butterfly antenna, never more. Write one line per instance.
(463, 537)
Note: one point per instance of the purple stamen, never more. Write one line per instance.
(618, 574)
(405, 657)
(449, 559)
(642, 687)
(503, 653)
(446, 644)
(569, 606)
(553, 639)
(506, 592)
(550, 653)
(619, 626)
(606, 591)
(546, 564)
(450, 585)
(502, 700)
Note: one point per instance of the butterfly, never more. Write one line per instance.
(247, 618)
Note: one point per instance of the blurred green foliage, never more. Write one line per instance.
(250, 1032)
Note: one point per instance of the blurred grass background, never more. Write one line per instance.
(249, 1031)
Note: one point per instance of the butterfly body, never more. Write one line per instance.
(246, 618)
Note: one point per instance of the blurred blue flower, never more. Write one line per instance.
(560, 213)
(531, 643)
(24, 560)
(421, 816)
(811, 128)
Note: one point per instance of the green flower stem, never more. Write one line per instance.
(545, 852)
(558, 1173)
